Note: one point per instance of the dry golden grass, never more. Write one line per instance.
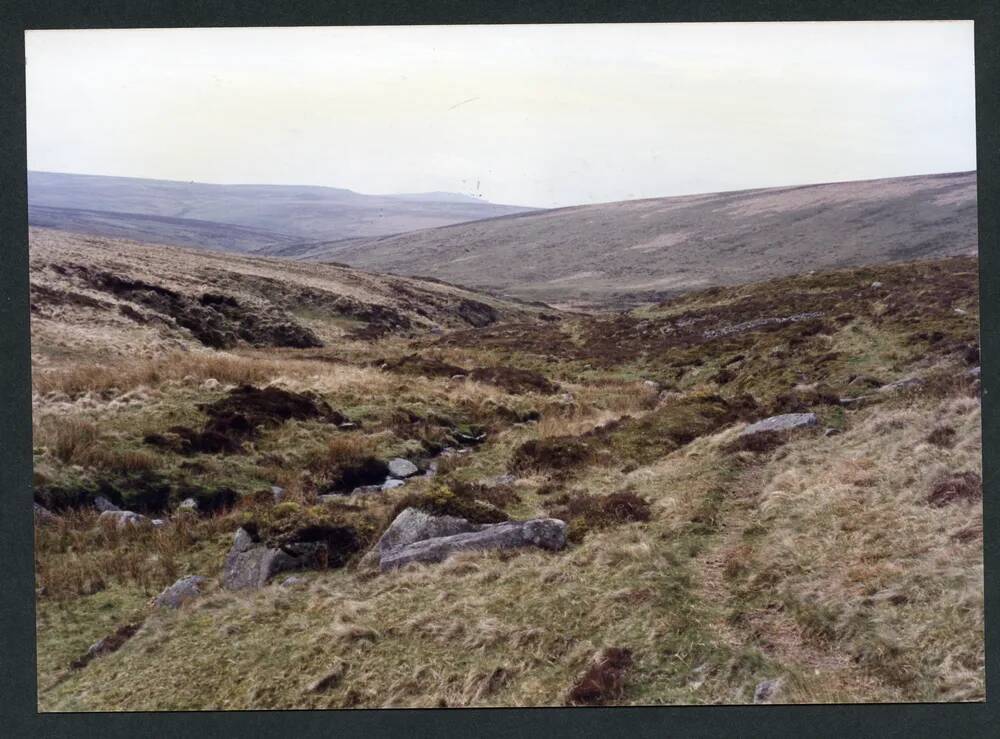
(94, 378)
(850, 547)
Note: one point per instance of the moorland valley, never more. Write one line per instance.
(710, 449)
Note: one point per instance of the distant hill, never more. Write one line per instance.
(157, 229)
(237, 217)
(616, 254)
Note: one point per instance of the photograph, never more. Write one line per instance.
(505, 366)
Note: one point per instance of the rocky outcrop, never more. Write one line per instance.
(545, 533)
(183, 591)
(249, 564)
(413, 525)
(784, 422)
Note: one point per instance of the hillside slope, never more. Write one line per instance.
(99, 298)
(298, 213)
(623, 252)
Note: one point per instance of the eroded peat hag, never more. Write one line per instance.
(766, 493)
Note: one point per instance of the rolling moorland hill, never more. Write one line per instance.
(705, 559)
(625, 253)
(96, 298)
(236, 217)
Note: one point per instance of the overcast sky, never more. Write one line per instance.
(530, 115)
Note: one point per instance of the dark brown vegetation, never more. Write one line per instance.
(603, 680)
(514, 380)
(962, 486)
(107, 645)
(585, 512)
(460, 501)
(239, 416)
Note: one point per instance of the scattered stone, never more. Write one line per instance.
(604, 678)
(854, 402)
(469, 439)
(651, 385)
(458, 377)
(122, 519)
(975, 372)
(831, 432)
(43, 515)
(391, 484)
(905, 384)
(249, 565)
(739, 328)
(278, 493)
(767, 690)
(546, 533)
(432, 469)
(961, 312)
(183, 591)
(188, 504)
(785, 422)
(103, 504)
(876, 284)
(158, 523)
(401, 468)
(293, 581)
(210, 384)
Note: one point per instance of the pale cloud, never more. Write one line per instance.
(534, 115)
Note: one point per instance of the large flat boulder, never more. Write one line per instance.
(784, 422)
(546, 533)
(413, 525)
